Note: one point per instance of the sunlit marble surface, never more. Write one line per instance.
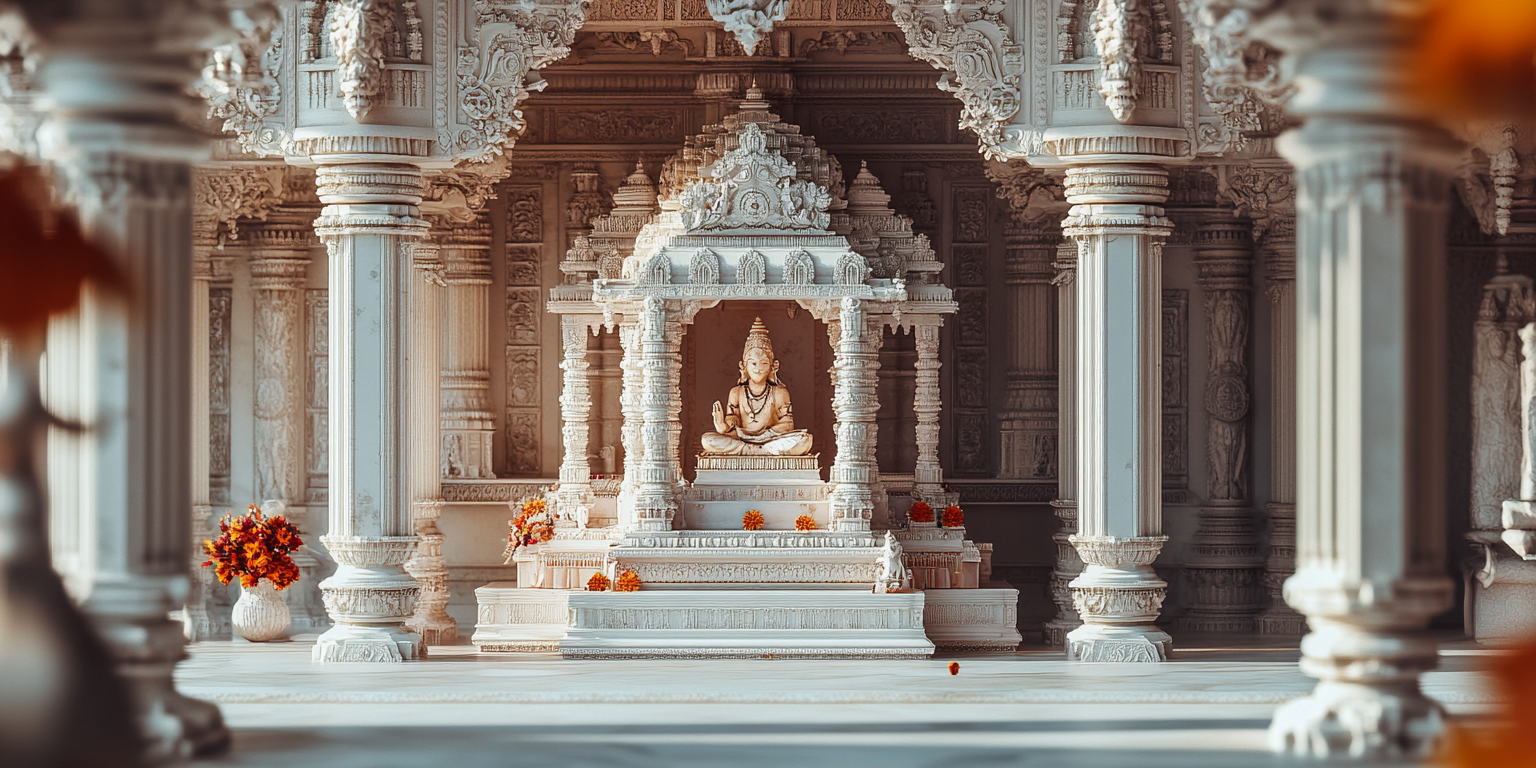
(1207, 707)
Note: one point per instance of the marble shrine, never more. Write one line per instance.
(837, 331)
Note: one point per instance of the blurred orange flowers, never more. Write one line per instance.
(953, 517)
(752, 520)
(598, 583)
(627, 582)
(920, 512)
(252, 548)
(1475, 58)
(1506, 744)
(805, 523)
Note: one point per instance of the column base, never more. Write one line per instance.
(352, 642)
(1359, 721)
(1110, 643)
(1055, 631)
(175, 726)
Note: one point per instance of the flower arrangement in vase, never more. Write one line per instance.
(805, 523)
(752, 520)
(534, 525)
(953, 517)
(920, 512)
(257, 550)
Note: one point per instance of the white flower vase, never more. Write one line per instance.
(260, 615)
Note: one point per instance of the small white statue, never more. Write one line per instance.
(894, 575)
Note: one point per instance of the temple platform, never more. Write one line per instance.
(736, 559)
(716, 624)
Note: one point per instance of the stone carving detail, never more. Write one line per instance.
(223, 196)
(704, 268)
(851, 269)
(220, 306)
(982, 65)
(748, 20)
(753, 269)
(658, 40)
(914, 202)
(1487, 180)
(357, 40)
(841, 41)
(799, 268)
(525, 309)
(512, 38)
(317, 395)
(1175, 396)
(754, 188)
(614, 126)
(1242, 81)
(240, 80)
(1119, 31)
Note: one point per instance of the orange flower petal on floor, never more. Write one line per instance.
(598, 583)
(805, 523)
(954, 667)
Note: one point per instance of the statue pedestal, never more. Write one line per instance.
(781, 487)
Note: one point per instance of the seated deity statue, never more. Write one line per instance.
(757, 420)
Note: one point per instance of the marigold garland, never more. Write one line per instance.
(534, 525)
(752, 520)
(627, 582)
(598, 583)
(254, 547)
(920, 512)
(805, 523)
(953, 517)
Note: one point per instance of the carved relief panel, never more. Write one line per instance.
(970, 232)
(1175, 396)
(220, 305)
(317, 354)
(524, 254)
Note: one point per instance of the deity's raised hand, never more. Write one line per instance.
(719, 413)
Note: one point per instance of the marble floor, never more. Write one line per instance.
(1209, 706)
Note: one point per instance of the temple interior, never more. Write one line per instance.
(724, 365)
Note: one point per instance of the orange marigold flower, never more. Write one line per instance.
(752, 520)
(920, 512)
(627, 582)
(953, 517)
(954, 667)
(254, 547)
(598, 583)
(805, 523)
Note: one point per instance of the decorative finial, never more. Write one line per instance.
(757, 338)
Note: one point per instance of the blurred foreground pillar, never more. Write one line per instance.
(114, 76)
(1373, 190)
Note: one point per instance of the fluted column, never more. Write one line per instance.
(430, 620)
(655, 503)
(1029, 416)
(1118, 222)
(279, 274)
(1279, 250)
(469, 426)
(1225, 572)
(197, 623)
(1068, 564)
(633, 379)
(112, 73)
(854, 405)
(574, 498)
(1372, 206)
(371, 227)
(928, 404)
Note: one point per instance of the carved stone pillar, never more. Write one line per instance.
(1373, 185)
(112, 73)
(574, 498)
(1029, 416)
(655, 504)
(854, 404)
(1118, 223)
(279, 275)
(927, 404)
(370, 225)
(1279, 251)
(630, 405)
(1224, 575)
(430, 620)
(467, 419)
(1068, 564)
(198, 622)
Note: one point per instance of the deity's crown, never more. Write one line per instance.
(757, 338)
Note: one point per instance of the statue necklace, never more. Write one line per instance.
(756, 403)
